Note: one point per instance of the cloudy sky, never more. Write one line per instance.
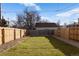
(63, 12)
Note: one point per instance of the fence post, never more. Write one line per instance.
(69, 33)
(14, 34)
(3, 36)
(20, 33)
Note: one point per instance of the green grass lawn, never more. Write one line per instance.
(41, 46)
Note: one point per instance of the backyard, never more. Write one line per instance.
(41, 46)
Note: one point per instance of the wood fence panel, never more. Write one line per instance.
(68, 33)
(78, 33)
(8, 34)
(11, 34)
(22, 33)
(17, 31)
(74, 33)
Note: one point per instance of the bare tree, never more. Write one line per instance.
(28, 19)
(31, 18)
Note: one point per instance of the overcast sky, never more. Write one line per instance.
(65, 12)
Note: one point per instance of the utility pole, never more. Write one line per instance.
(0, 11)
(0, 15)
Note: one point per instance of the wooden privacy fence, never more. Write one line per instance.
(68, 33)
(9, 34)
(74, 33)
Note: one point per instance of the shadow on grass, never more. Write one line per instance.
(67, 49)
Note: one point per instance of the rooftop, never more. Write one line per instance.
(46, 25)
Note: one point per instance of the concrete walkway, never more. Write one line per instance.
(71, 42)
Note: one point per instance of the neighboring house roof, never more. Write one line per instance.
(46, 25)
(73, 25)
